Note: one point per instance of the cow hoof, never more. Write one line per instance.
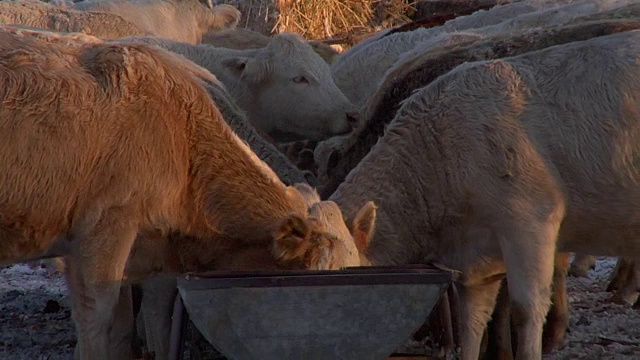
(578, 273)
(553, 336)
(555, 329)
(623, 299)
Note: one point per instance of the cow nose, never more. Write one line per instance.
(353, 118)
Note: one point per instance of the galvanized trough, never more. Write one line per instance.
(355, 313)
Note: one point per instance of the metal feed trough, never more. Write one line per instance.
(355, 313)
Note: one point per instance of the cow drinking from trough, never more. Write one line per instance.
(337, 156)
(518, 156)
(103, 143)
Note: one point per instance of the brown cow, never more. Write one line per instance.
(102, 142)
(361, 228)
(625, 281)
(154, 321)
(518, 156)
(159, 293)
(581, 264)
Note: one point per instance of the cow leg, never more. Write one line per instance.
(581, 265)
(620, 275)
(558, 317)
(94, 273)
(159, 294)
(629, 281)
(476, 305)
(500, 333)
(529, 254)
(121, 333)
(499, 329)
(139, 340)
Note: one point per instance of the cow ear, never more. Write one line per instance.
(236, 64)
(249, 69)
(296, 244)
(363, 226)
(309, 194)
(291, 239)
(207, 3)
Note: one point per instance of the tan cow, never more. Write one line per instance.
(286, 171)
(38, 14)
(361, 228)
(581, 264)
(180, 20)
(625, 281)
(154, 322)
(517, 156)
(102, 142)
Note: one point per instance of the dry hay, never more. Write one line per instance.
(319, 19)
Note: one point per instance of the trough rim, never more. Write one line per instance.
(361, 275)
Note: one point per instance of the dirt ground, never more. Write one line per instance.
(35, 322)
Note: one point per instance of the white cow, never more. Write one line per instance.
(286, 88)
(518, 157)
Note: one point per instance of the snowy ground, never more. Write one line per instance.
(35, 320)
(598, 329)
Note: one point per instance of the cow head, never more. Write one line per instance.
(291, 94)
(324, 241)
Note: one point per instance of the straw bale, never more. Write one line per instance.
(320, 19)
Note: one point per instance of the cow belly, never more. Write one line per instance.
(600, 238)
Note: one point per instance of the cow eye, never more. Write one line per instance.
(300, 80)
